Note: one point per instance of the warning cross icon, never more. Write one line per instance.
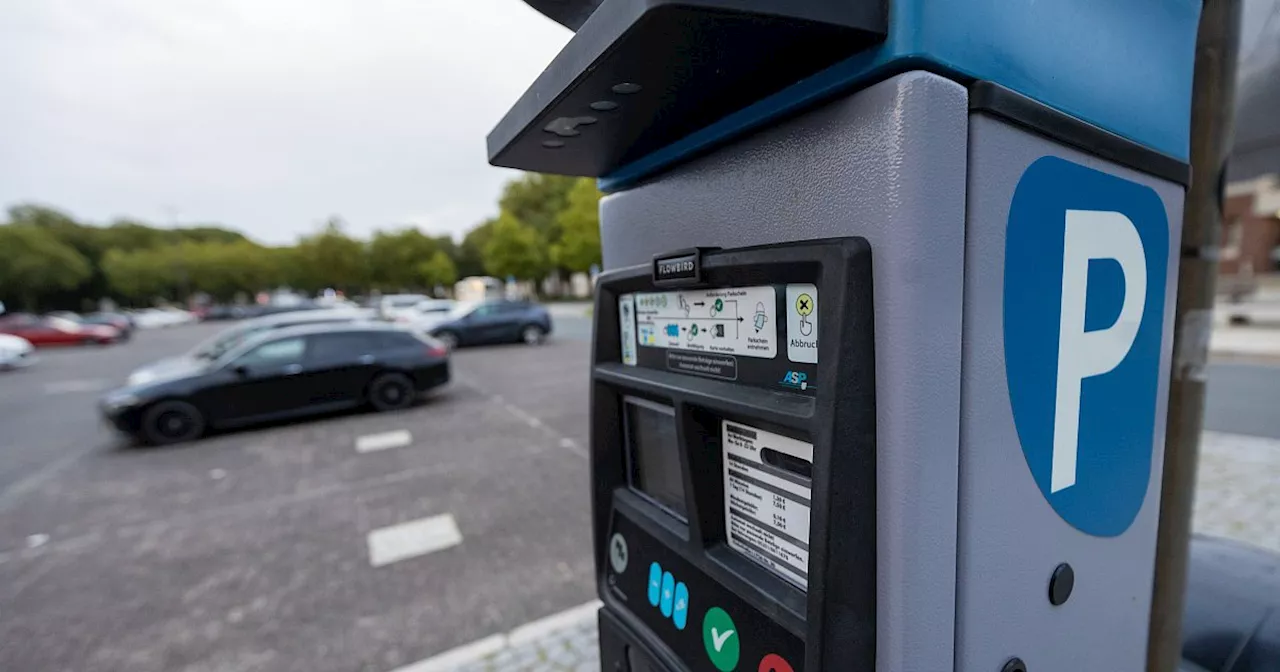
(804, 304)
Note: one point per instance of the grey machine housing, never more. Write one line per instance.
(923, 168)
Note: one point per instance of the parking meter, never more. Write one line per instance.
(881, 348)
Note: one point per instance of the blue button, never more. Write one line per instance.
(655, 583)
(668, 593)
(681, 616)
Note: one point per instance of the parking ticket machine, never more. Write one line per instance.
(726, 499)
(882, 344)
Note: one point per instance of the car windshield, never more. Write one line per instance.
(220, 343)
(463, 309)
(233, 349)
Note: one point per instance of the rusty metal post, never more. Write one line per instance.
(1212, 107)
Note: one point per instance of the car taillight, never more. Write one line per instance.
(436, 351)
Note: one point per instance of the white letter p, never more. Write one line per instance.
(1091, 234)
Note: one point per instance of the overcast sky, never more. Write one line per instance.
(263, 115)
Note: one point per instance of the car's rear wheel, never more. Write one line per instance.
(391, 392)
(172, 422)
(532, 335)
(448, 339)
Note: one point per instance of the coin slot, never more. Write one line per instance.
(790, 463)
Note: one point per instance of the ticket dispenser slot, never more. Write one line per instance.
(733, 460)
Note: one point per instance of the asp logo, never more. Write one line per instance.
(1086, 260)
(795, 379)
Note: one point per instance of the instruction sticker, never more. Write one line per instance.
(802, 323)
(729, 320)
(767, 492)
(627, 323)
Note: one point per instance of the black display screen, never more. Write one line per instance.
(654, 454)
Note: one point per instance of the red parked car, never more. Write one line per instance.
(44, 331)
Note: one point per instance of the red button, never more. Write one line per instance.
(775, 663)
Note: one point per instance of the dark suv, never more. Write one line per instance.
(282, 373)
(493, 322)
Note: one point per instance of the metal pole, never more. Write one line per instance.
(1212, 103)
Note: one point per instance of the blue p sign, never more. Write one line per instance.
(1086, 257)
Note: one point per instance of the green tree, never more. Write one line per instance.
(209, 233)
(87, 240)
(515, 249)
(394, 257)
(33, 264)
(287, 267)
(223, 270)
(579, 225)
(537, 200)
(129, 235)
(470, 255)
(437, 270)
(332, 259)
(141, 276)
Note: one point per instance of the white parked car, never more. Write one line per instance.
(430, 311)
(424, 314)
(16, 352)
(393, 306)
(156, 318)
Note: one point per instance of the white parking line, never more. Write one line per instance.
(371, 442)
(68, 386)
(478, 650)
(412, 539)
(526, 417)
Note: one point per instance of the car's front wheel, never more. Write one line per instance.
(171, 422)
(391, 392)
(532, 335)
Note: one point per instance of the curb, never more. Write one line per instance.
(488, 646)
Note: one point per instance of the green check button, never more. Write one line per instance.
(720, 637)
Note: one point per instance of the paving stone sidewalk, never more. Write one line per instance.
(1237, 496)
(570, 649)
(1238, 489)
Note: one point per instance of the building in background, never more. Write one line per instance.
(1251, 216)
(476, 288)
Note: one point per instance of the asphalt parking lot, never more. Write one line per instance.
(286, 547)
(292, 547)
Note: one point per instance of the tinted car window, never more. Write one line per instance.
(284, 351)
(397, 339)
(341, 346)
(498, 308)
